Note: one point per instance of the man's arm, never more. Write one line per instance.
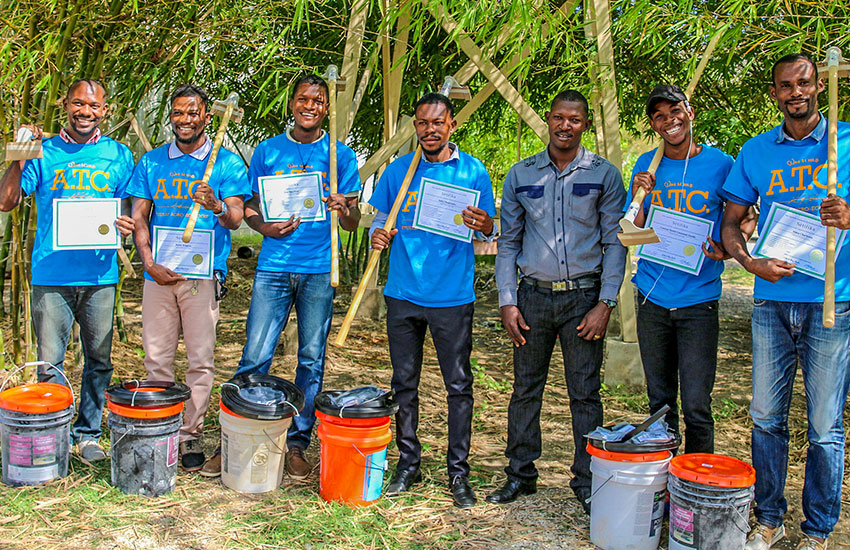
(10, 186)
(769, 269)
(254, 219)
(142, 235)
(347, 210)
(512, 216)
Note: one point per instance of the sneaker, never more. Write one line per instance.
(763, 537)
(811, 543)
(296, 465)
(191, 455)
(90, 450)
(212, 467)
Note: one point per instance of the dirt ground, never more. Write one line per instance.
(551, 519)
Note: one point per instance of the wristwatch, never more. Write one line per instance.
(223, 210)
(610, 303)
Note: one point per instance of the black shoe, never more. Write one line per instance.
(191, 455)
(512, 489)
(583, 495)
(401, 481)
(462, 492)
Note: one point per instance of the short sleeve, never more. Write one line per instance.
(138, 186)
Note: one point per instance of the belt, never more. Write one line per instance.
(589, 281)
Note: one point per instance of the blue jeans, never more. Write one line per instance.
(54, 310)
(271, 301)
(783, 334)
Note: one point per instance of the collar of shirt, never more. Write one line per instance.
(816, 134)
(454, 156)
(582, 160)
(200, 153)
(94, 138)
(292, 139)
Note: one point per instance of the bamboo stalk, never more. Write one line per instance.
(833, 56)
(332, 131)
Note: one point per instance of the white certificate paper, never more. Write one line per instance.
(439, 207)
(193, 259)
(86, 224)
(681, 236)
(796, 237)
(298, 195)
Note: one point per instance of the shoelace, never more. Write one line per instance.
(762, 531)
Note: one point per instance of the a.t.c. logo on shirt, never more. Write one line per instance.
(799, 175)
(81, 178)
(175, 189)
(411, 201)
(680, 198)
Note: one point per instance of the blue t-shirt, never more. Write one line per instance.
(772, 169)
(308, 248)
(701, 195)
(72, 170)
(425, 268)
(169, 183)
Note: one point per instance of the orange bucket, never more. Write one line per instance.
(353, 458)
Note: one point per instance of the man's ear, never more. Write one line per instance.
(772, 92)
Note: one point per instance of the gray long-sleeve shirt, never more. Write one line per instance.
(561, 225)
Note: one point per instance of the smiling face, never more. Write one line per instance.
(86, 107)
(309, 105)
(567, 121)
(795, 89)
(672, 121)
(434, 126)
(189, 117)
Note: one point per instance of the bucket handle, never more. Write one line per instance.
(273, 442)
(373, 467)
(604, 483)
(37, 364)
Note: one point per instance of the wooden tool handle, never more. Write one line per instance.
(375, 255)
(332, 131)
(219, 138)
(833, 56)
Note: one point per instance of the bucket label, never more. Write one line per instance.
(682, 525)
(173, 446)
(259, 464)
(36, 450)
(225, 462)
(33, 474)
(373, 476)
(657, 512)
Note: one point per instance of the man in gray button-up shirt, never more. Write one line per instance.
(560, 210)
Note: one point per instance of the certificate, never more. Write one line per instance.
(298, 195)
(680, 239)
(439, 207)
(193, 259)
(796, 237)
(86, 224)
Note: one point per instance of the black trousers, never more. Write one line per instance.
(551, 316)
(451, 331)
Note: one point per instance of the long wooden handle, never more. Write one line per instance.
(833, 55)
(332, 131)
(375, 255)
(219, 138)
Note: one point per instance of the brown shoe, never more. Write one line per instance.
(212, 467)
(296, 465)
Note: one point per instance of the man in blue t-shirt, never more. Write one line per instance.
(430, 285)
(678, 322)
(182, 291)
(788, 165)
(74, 285)
(295, 262)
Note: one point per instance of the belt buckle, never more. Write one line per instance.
(559, 286)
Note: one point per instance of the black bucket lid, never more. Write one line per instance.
(292, 404)
(148, 393)
(629, 447)
(376, 408)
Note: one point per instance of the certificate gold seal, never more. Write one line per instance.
(103, 229)
(458, 219)
(689, 250)
(816, 256)
(308, 203)
(197, 259)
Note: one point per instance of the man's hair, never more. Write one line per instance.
(90, 82)
(571, 96)
(310, 80)
(191, 90)
(792, 58)
(435, 99)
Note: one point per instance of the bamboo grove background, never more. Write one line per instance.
(142, 49)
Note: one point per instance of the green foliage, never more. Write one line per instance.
(633, 400)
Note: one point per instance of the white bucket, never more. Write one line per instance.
(252, 452)
(627, 502)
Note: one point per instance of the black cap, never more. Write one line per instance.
(664, 92)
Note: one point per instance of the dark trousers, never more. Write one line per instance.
(553, 315)
(451, 331)
(678, 348)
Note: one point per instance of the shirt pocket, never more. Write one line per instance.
(584, 199)
(531, 197)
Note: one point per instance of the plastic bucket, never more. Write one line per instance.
(710, 498)
(35, 433)
(353, 458)
(627, 493)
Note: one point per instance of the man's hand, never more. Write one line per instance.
(125, 225)
(594, 324)
(162, 275)
(514, 324)
(770, 269)
(835, 212)
(205, 196)
(276, 230)
(381, 239)
(338, 202)
(716, 252)
(645, 180)
(477, 220)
